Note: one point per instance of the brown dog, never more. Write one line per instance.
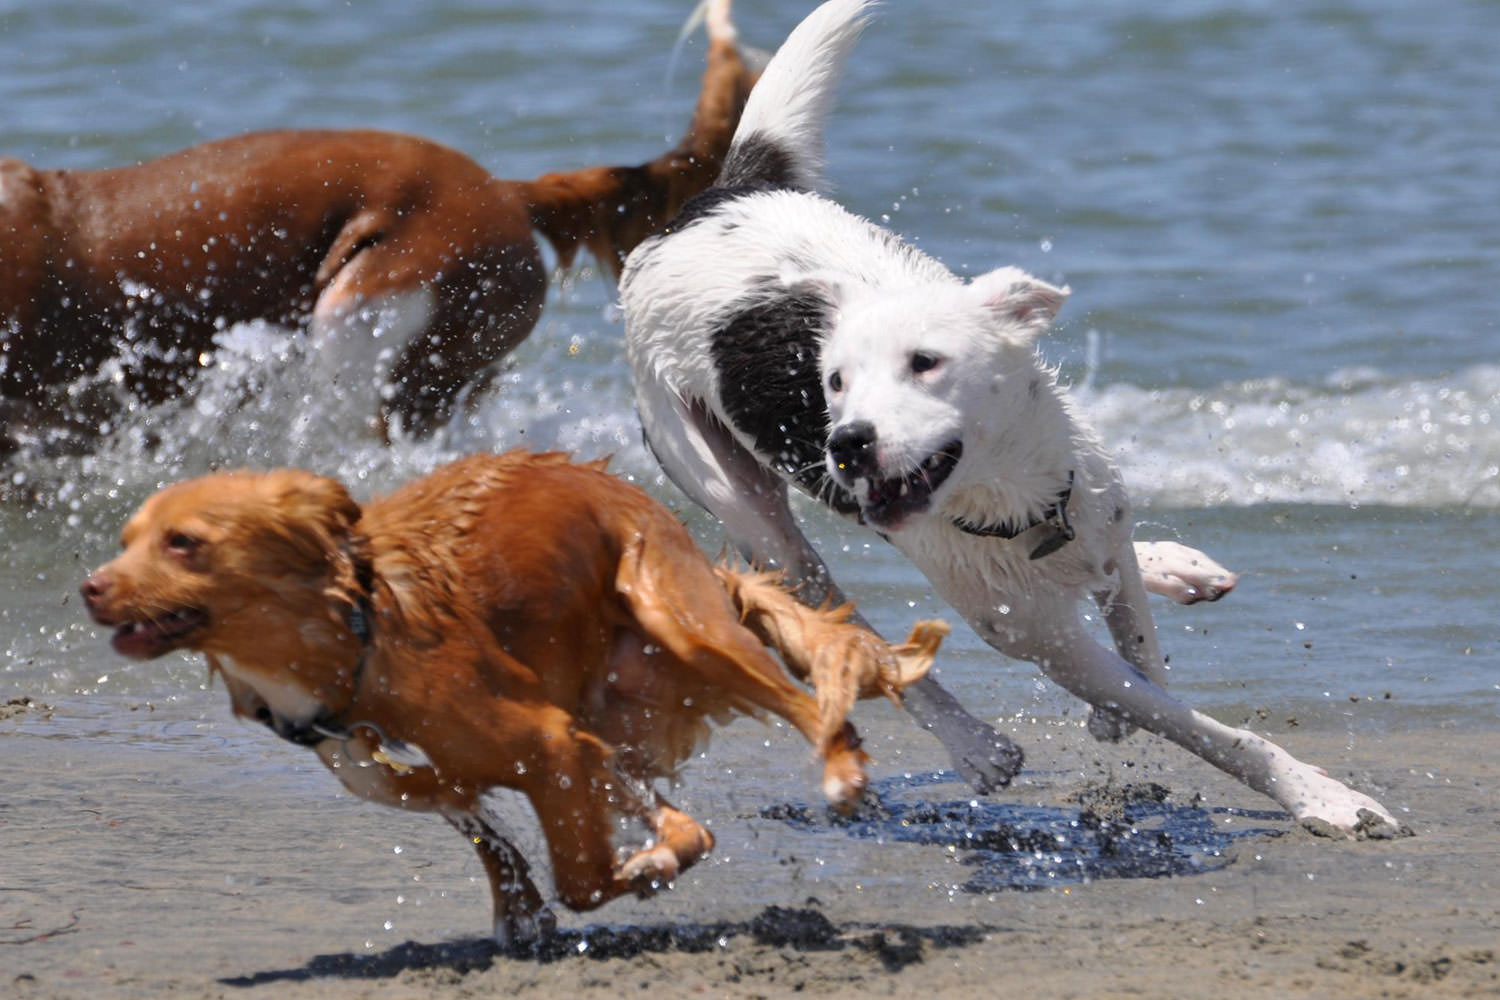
(513, 621)
(414, 268)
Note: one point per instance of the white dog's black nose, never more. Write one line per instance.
(851, 447)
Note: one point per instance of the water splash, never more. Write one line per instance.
(1357, 437)
(1131, 831)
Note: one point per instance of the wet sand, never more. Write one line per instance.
(179, 865)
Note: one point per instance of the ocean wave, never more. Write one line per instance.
(1358, 437)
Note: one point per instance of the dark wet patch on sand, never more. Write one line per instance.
(15, 708)
(1113, 832)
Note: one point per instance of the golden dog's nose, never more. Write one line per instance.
(94, 590)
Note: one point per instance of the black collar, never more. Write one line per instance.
(1055, 516)
(327, 724)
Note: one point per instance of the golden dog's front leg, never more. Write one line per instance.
(680, 842)
(521, 916)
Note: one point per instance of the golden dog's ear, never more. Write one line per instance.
(307, 520)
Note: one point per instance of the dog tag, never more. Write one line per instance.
(1054, 541)
(400, 756)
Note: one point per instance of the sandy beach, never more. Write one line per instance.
(173, 868)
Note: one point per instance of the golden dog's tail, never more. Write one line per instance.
(608, 210)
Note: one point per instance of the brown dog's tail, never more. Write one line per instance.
(841, 659)
(608, 210)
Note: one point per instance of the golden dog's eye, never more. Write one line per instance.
(922, 361)
(182, 543)
(836, 382)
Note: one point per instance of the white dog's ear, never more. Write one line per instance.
(1026, 304)
(825, 286)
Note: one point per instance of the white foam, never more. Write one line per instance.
(1357, 438)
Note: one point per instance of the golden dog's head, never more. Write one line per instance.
(218, 564)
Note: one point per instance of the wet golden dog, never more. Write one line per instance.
(516, 621)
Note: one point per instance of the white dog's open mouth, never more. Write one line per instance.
(885, 503)
(142, 640)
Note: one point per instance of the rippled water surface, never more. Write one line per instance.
(1278, 222)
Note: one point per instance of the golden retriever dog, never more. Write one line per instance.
(509, 622)
(412, 268)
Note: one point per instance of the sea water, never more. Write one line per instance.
(1278, 223)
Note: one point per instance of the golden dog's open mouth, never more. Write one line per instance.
(143, 640)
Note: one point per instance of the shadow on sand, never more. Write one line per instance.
(895, 945)
(1113, 831)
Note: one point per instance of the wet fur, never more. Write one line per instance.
(514, 621)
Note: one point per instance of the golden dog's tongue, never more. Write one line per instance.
(144, 640)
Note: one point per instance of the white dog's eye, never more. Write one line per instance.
(835, 382)
(922, 361)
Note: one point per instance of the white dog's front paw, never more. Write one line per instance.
(1182, 574)
(1330, 809)
(984, 757)
(989, 762)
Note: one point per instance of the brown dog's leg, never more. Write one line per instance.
(521, 916)
(399, 309)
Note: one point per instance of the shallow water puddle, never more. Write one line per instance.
(1113, 831)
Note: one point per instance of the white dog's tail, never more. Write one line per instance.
(780, 136)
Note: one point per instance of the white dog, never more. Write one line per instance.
(776, 338)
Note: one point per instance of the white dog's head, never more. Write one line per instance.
(917, 377)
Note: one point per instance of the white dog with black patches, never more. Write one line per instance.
(776, 338)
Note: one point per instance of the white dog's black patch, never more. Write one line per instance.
(758, 159)
(766, 357)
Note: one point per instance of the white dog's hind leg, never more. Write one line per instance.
(1069, 656)
(1183, 574)
(710, 466)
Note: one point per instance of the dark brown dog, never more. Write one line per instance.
(513, 621)
(354, 233)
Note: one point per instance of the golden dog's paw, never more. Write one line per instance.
(648, 871)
